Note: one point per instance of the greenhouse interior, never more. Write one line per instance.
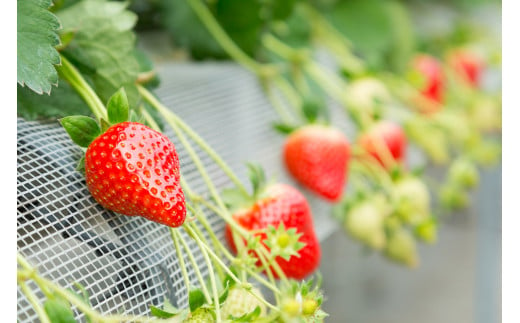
(259, 161)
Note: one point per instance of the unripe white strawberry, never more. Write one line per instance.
(201, 315)
(401, 248)
(412, 199)
(365, 222)
(240, 302)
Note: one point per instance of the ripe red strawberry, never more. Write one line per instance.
(282, 204)
(386, 142)
(134, 170)
(467, 65)
(432, 85)
(318, 157)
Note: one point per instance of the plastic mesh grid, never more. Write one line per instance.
(128, 263)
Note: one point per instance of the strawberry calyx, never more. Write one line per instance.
(283, 242)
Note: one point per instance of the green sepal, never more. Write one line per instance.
(236, 199)
(117, 107)
(104, 125)
(284, 128)
(81, 129)
(134, 117)
(58, 310)
(283, 242)
(81, 165)
(256, 175)
(248, 317)
(313, 108)
(196, 299)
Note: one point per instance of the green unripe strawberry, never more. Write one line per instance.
(309, 306)
(240, 302)
(365, 222)
(291, 307)
(453, 196)
(201, 315)
(463, 173)
(401, 248)
(412, 199)
(427, 230)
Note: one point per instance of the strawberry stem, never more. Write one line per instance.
(180, 256)
(174, 121)
(74, 78)
(31, 297)
(203, 249)
(74, 299)
(223, 39)
(195, 266)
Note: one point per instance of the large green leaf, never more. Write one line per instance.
(243, 20)
(36, 41)
(103, 45)
(380, 30)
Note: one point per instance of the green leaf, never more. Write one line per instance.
(103, 46)
(223, 296)
(157, 312)
(63, 101)
(381, 31)
(58, 310)
(196, 299)
(117, 107)
(36, 40)
(82, 130)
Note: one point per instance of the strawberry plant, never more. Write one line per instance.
(132, 168)
(374, 81)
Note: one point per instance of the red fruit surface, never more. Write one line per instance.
(318, 157)
(283, 204)
(134, 170)
(468, 65)
(430, 68)
(391, 137)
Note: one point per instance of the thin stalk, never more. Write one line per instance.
(182, 264)
(223, 39)
(74, 78)
(195, 267)
(240, 282)
(212, 279)
(199, 233)
(31, 297)
(173, 119)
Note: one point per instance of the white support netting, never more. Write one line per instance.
(129, 263)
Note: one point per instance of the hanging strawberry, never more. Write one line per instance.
(130, 168)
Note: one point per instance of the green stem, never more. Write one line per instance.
(31, 297)
(202, 247)
(74, 78)
(236, 279)
(195, 267)
(174, 121)
(223, 39)
(79, 303)
(182, 264)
